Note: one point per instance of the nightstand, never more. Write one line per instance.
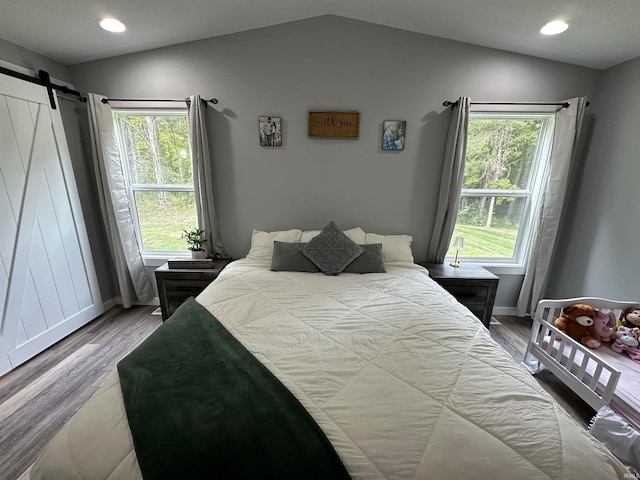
(175, 285)
(473, 286)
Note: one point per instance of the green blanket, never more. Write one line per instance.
(200, 406)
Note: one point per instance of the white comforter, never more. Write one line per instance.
(404, 381)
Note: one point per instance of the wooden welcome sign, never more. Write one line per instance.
(334, 124)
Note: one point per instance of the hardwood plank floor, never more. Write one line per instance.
(40, 396)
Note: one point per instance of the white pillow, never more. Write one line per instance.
(395, 248)
(355, 234)
(262, 242)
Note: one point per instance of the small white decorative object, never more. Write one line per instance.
(458, 244)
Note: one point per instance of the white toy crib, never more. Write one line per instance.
(599, 376)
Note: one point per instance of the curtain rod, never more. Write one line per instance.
(44, 80)
(105, 100)
(448, 103)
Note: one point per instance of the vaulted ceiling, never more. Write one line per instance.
(602, 33)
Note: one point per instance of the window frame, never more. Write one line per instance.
(532, 192)
(150, 257)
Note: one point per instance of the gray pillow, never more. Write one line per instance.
(288, 257)
(331, 250)
(371, 261)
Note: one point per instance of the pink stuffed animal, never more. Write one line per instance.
(634, 355)
(627, 341)
(605, 324)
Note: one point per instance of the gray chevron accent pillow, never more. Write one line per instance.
(331, 250)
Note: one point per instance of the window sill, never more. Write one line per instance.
(499, 269)
(157, 260)
(496, 268)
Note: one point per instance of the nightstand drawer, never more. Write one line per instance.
(175, 285)
(185, 288)
(468, 295)
(473, 286)
(477, 310)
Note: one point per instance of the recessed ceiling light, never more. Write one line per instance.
(112, 25)
(554, 28)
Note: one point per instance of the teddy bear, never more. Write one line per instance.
(627, 342)
(605, 325)
(577, 322)
(630, 317)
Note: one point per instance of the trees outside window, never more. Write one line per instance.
(156, 154)
(507, 154)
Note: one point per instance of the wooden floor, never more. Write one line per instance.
(40, 396)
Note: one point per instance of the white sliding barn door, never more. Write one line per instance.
(48, 284)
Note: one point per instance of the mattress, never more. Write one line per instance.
(404, 380)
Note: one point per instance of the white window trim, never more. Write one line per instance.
(150, 258)
(516, 264)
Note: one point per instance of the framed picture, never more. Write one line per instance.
(393, 132)
(270, 129)
(334, 124)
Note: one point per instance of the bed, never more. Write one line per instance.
(599, 376)
(404, 381)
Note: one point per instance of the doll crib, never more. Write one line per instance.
(599, 376)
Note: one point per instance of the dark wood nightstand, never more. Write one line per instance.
(175, 285)
(472, 285)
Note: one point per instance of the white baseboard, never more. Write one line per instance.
(118, 301)
(511, 311)
(109, 304)
(153, 301)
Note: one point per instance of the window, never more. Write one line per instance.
(507, 155)
(155, 149)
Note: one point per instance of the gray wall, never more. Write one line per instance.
(599, 254)
(332, 63)
(10, 52)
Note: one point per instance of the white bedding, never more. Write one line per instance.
(404, 380)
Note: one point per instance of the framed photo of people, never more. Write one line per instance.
(393, 134)
(270, 130)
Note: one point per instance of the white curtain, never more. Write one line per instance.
(134, 283)
(547, 215)
(451, 182)
(203, 177)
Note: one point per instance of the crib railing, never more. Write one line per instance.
(549, 348)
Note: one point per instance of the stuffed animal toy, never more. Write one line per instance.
(605, 325)
(630, 317)
(577, 322)
(627, 342)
